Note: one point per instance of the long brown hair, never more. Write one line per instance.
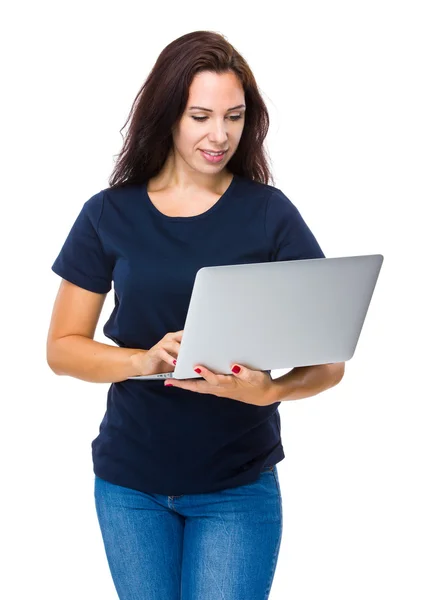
(161, 102)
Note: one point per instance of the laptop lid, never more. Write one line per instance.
(276, 315)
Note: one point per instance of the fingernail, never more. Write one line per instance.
(198, 370)
(174, 362)
(236, 369)
(168, 384)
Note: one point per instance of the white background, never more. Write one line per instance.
(342, 83)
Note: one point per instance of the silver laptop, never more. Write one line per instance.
(275, 315)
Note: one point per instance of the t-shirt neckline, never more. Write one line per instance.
(214, 207)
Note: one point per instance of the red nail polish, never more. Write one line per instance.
(198, 370)
(168, 384)
(236, 369)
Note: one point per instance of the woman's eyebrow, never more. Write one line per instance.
(209, 109)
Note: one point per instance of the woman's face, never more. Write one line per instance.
(215, 129)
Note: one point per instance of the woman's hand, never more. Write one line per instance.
(158, 358)
(249, 386)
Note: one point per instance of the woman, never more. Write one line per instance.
(186, 488)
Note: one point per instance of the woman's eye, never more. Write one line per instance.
(232, 118)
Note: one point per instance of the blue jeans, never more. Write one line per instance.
(219, 545)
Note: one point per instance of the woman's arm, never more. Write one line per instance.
(71, 349)
(302, 382)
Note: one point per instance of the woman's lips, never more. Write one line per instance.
(213, 159)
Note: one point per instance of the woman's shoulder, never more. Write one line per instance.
(271, 194)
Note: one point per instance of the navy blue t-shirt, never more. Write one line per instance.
(169, 440)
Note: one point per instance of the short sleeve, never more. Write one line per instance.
(82, 259)
(288, 233)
